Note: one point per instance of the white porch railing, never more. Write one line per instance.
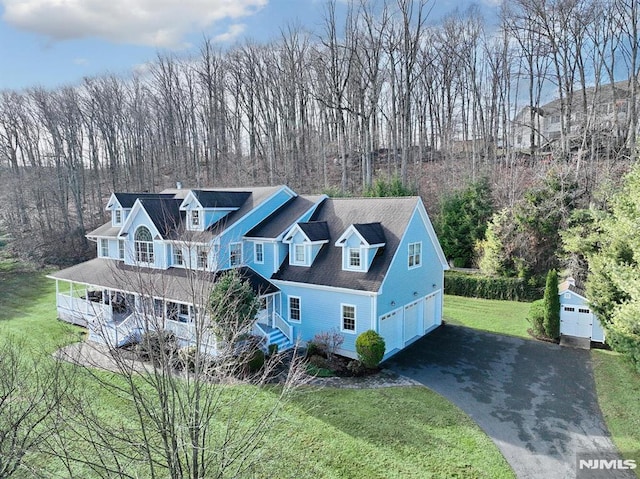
(283, 326)
(80, 310)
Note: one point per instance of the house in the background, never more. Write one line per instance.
(576, 317)
(318, 264)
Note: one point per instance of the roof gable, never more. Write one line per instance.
(127, 200)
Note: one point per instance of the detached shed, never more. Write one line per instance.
(576, 317)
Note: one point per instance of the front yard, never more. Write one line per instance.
(395, 432)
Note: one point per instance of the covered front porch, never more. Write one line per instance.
(116, 316)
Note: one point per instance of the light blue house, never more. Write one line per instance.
(318, 264)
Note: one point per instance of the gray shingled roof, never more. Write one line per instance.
(127, 200)
(371, 232)
(279, 222)
(106, 230)
(315, 230)
(165, 214)
(393, 214)
(173, 284)
(221, 198)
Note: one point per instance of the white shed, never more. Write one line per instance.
(576, 317)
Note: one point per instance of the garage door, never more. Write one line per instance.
(576, 321)
(430, 304)
(391, 329)
(412, 321)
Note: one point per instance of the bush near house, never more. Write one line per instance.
(476, 285)
(370, 347)
(536, 318)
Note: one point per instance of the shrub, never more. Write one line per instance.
(552, 306)
(273, 349)
(328, 342)
(356, 368)
(370, 348)
(158, 346)
(313, 350)
(536, 318)
(256, 361)
(187, 358)
(319, 362)
(489, 287)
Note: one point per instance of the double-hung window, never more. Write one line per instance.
(415, 254)
(195, 218)
(354, 258)
(235, 254)
(202, 257)
(104, 248)
(294, 308)
(121, 249)
(259, 253)
(178, 259)
(348, 318)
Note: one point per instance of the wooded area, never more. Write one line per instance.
(383, 90)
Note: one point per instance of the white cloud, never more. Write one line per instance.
(159, 23)
(232, 33)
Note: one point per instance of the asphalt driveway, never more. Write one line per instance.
(536, 400)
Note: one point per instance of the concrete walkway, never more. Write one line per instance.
(535, 400)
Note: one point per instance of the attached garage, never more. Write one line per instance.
(576, 317)
(404, 325)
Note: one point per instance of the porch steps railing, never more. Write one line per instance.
(277, 337)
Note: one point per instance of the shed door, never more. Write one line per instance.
(411, 321)
(391, 329)
(576, 321)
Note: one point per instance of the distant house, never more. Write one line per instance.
(318, 264)
(576, 317)
(608, 108)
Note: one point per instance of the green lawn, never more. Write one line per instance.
(618, 386)
(330, 433)
(502, 317)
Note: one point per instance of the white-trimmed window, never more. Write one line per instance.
(258, 253)
(104, 248)
(348, 318)
(121, 249)
(415, 254)
(117, 217)
(202, 259)
(179, 312)
(355, 260)
(178, 259)
(235, 254)
(195, 218)
(299, 254)
(144, 245)
(294, 309)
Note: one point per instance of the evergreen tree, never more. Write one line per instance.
(462, 222)
(552, 306)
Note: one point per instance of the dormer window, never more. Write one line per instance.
(305, 241)
(354, 258)
(195, 218)
(360, 243)
(117, 217)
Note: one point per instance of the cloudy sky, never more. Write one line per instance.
(55, 42)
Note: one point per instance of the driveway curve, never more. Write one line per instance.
(535, 400)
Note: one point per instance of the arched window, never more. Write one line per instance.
(144, 245)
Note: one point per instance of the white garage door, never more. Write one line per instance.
(576, 321)
(412, 321)
(430, 304)
(391, 329)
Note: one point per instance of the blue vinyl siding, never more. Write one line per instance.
(321, 312)
(266, 269)
(252, 219)
(403, 285)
